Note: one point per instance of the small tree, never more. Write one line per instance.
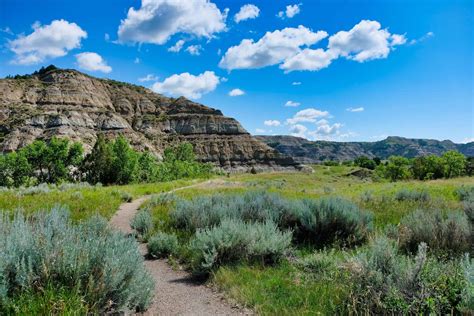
(125, 161)
(365, 162)
(454, 164)
(397, 168)
(428, 167)
(98, 164)
(52, 161)
(147, 168)
(15, 170)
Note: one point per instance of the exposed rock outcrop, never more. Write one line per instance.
(68, 103)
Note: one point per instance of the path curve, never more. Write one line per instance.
(176, 293)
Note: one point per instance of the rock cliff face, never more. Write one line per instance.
(70, 104)
(305, 151)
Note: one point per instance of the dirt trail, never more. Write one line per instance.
(177, 293)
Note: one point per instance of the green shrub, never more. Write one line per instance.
(465, 192)
(142, 222)
(208, 211)
(234, 240)
(385, 282)
(124, 196)
(332, 220)
(103, 266)
(162, 199)
(317, 222)
(162, 244)
(411, 195)
(447, 234)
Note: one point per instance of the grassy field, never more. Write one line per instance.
(82, 201)
(288, 287)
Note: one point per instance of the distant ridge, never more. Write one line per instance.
(305, 151)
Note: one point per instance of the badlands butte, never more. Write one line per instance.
(68, 103)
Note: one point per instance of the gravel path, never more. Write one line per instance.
(177, 292)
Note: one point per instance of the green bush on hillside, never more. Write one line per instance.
(45, 250)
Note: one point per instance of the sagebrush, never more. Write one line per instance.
(103, 266)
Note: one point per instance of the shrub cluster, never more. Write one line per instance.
(234, 240)
(142, 222)
(161, 245)
(411, 195)
(46, 250)
(451, 164)
(387, 282)
(318, 222)
(446, 234)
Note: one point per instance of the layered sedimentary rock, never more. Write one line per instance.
(70, 104)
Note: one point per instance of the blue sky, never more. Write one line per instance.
(350, 70)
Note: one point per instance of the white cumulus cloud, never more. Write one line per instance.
(47, 41)
(296, 83)
(359, 109)
(309, 59)
(188, 85)
(307, 115)
(292, 103)
(365, 41)
(92, 62)
(260, 130)
(149, 77)
(272, 123)
(291, 11)
(246, 12)
(291, 48)
(273, 48)
(236, 92)
(157, 20)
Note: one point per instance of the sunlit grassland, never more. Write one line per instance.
(335, 181)
(84, 202)
(286, 288)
